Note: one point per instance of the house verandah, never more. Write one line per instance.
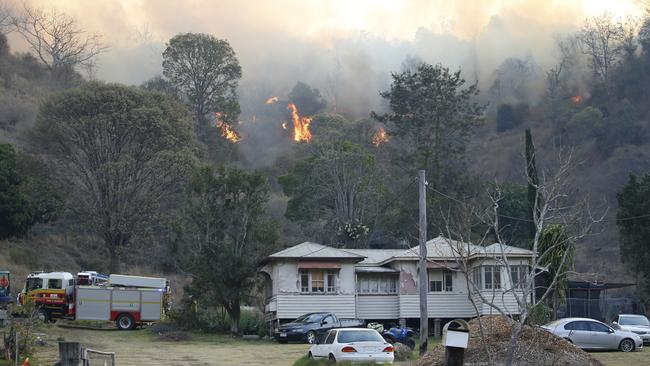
(381, 284)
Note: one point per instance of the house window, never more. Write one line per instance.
(477, 277)
(518, 276)
(331, 282)
(440, 281)
(491, 277)
(318, 281)
(304, 281)
(376, 285)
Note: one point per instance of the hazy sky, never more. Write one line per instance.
(263, 30)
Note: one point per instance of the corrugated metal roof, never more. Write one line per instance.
(315, 250)
(437, 248)
(374, 256)
(442, 247)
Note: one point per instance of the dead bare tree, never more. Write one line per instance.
(6, 24)
(552, 208)
(57, 39)
(601, 36)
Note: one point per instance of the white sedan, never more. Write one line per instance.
(353, 345)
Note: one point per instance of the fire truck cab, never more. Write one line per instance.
(52, 292)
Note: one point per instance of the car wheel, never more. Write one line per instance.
(125, 322)
(311, 337)
(331, 359)
(627, 345)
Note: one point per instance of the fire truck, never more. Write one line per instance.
(127, 300)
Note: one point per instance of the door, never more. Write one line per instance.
(93, 304)
(579, 333)
(327, 322)
(323, 349)
(602, 336)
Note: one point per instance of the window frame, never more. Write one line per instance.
(327, 288)
(443, 280)
(481, 273)
(376, 284)
(522, 272)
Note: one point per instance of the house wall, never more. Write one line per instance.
(288, 278)
(377, 306)
(289, 303)
(295, 305)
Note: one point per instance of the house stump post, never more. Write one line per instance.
(402, 322)
(70, 354)
(436, 328)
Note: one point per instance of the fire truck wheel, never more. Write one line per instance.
(125, 322)
(43, 315)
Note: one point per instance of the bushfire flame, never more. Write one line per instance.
(226, 130)
(301, 131)
(380, 137)
(577, 99)
(272, 100)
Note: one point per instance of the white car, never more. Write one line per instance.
(353, 345)
(638, 324)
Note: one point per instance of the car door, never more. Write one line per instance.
(327, 322)
(602, 336)
(323, 349)
(579, 333)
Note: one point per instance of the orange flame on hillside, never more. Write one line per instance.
(301, 131)
(380, 137)
(271, 100)
(577, 99)
(226, 129)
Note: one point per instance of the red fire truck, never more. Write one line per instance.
(127, 300)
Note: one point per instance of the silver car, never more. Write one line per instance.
(638, 324)
(591, 334)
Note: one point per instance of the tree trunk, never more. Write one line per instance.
(234, 311)
(114, 257)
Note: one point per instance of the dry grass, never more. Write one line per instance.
(639, 358)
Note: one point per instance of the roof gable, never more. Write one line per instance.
(309, 250)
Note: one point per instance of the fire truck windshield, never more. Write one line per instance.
(34, 283)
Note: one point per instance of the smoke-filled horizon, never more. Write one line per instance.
(346, 49)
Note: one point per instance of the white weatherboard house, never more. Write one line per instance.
(382, 284)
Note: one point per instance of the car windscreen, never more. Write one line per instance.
(633, 320)
(310, 318)
(350, 336)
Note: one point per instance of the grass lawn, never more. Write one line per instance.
(140, 348)
(638, 358)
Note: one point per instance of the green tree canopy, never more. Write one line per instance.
(634, 226)
(26, 195)
(228, 233)
(308, 100)
(205, 70)
(433, 113)
(117, 153)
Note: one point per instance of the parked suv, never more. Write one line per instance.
(638, 324)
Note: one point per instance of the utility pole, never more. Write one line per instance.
(423, 280)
